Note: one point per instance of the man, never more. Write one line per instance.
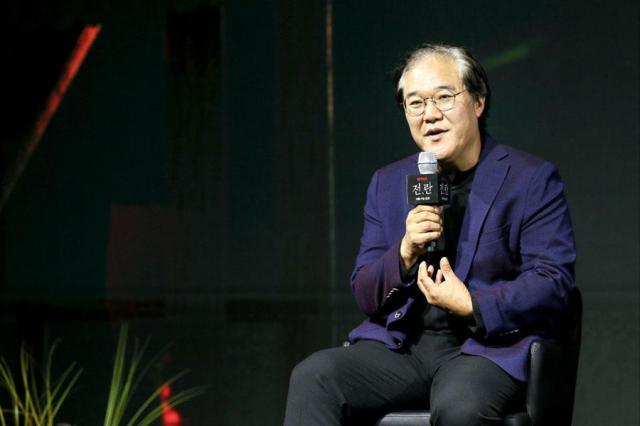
(449, 329)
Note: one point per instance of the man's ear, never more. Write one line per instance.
(479, 107)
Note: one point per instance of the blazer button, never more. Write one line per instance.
(397, 315)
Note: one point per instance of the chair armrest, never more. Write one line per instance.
(406, 418)
(552, 379)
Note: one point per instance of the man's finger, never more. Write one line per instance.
(426, 208)
(445, 267)
(425, 274)
(420, 216)
(421, 239)
(422, 275)
(427, 225)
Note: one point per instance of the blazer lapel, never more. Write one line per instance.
(487, 182)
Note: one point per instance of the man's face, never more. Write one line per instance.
(453, 135)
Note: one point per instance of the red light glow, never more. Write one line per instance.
(170, 416)
(85, 41)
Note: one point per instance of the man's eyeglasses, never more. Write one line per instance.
(444, 100)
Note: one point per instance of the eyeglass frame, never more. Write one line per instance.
(430, 99)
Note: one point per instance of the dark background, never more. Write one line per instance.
(204, 177)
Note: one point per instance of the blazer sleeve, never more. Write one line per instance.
(377, 269)
(547, 252)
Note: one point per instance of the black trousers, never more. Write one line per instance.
(358, 384)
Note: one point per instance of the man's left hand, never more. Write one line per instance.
(446, 290)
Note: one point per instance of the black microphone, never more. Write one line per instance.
(429, 187)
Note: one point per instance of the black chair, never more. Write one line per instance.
(552, 380)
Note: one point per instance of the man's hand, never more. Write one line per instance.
(423, 225)
(447, 291)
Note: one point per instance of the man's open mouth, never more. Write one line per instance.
(434, 132)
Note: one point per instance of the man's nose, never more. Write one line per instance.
(431, 112)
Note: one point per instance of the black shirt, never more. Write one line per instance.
(435, 318)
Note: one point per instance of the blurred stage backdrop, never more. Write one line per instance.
(202, 176)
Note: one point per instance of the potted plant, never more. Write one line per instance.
(35, 398)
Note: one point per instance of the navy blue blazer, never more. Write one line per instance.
(516, 254)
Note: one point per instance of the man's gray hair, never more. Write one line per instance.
(471, 72)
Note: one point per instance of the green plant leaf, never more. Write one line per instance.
(154, 396)
(122, 388)
(174, 401)
(35, 404)
(36, 398)
(116, 378)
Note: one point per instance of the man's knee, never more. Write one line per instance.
(313, 398)
(471, 390)
(317, 370)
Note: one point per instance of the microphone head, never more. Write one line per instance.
(427, 163)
